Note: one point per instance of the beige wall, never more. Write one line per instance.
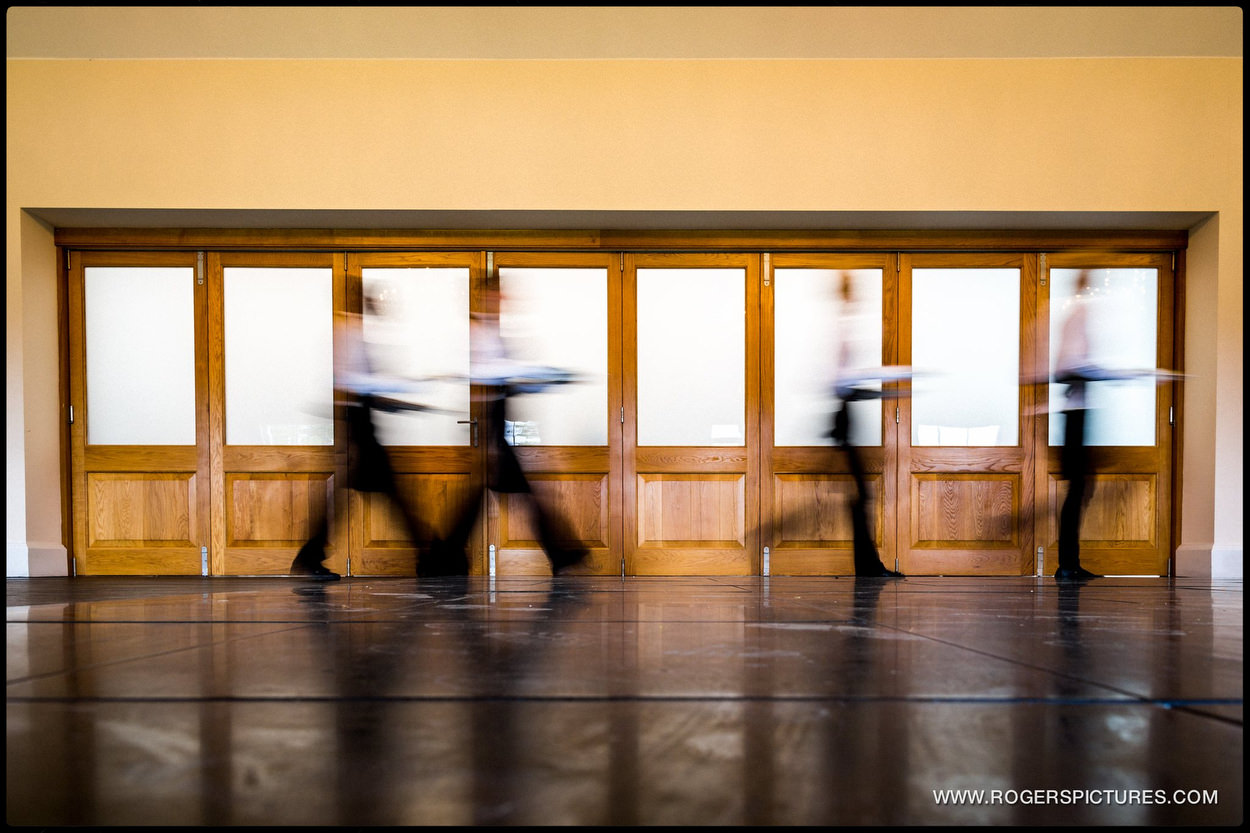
(1032, 135)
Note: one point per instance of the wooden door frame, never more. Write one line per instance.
(998, 459)
(305, 461)
(119, 459)
(825, 462)
(74, 243)
(720, 461)
(1160, 458)
(577, 462)
(394, 557)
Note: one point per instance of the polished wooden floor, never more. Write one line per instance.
(623, 701)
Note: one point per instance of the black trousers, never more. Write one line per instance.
(368, 470)
(867, 559)
(1075, 468)
(505, 475)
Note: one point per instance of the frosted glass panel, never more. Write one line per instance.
(808, 323)
(691, 357)
(966, 355)
(421, 330)
(558, 317)
(140, 344)
(279, 356)
(1123, 334)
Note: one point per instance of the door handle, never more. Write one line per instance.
(472, 422)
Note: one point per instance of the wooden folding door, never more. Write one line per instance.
(691, 414)
(562, 311)
(138, 349)
(807, 485)
(276, 455)
(966, 434)
(1126, 524)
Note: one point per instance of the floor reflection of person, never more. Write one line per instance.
(851, 386)
(499, 378)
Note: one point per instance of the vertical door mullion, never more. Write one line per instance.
(215, 298)
(1030, 319)
(1039, 380)
(891, 413)
(203, 411)
(904, 524)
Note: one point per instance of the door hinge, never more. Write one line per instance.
(897, 418)
(203, 561)
(199, 268)
(766, 565)
(71, 414)
(621, 263)
(490, 263)
(1041, 270)
(622, 416)
(1171, 416)
(491, 564)
(767, 262)
(1041, 560)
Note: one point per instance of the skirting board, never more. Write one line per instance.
(1208, 560)
(35, 559)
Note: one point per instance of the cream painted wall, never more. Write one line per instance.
(1114, 135)
(1081, 134)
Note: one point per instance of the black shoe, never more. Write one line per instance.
(878, 570)
(561, 560)
(442, 560)
(308, 564)
(321, 574)
(1074, 574)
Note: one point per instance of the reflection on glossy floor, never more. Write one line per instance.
(634, 701)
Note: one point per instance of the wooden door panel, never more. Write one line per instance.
(582, 500)
(1120, 526)
(1126, 526)
(574, 485)
(968, 509)
(692, 524)
(268, 499)
(142, 508)
(275, 509)
(693, 510)
(579, 498)
(578, 486)
(811, 523)
(965, 510)
(806, 491)
(137, 509)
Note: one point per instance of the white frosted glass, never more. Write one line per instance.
(966, 356)
(1123, 334)
(421, 331)
(807, 314)
(140, 345)
(279, 356)
(691, 357)
(558, 317)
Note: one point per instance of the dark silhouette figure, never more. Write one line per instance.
(499, 378)
(1075, 369)
(849, 389)
(369, 469)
